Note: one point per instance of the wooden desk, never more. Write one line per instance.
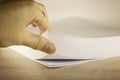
(14, 66)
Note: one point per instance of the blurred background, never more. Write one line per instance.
(101, 12)
(90, 18)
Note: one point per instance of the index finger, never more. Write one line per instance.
(42, 21)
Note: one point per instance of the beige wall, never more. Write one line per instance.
(102, 12)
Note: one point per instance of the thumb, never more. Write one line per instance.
(39, 43)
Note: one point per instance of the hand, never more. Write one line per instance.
(15, 16)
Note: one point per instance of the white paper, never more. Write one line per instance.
(61, 61)
(71, 46)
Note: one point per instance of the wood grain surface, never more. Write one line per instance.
(14, 66)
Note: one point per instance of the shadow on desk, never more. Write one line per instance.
(14, 66)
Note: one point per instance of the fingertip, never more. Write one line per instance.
(49, 48)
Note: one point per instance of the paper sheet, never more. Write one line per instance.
(88, 47)
(60, 61)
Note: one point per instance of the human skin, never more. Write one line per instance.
(15, 16)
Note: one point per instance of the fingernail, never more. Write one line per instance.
(50, 48)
